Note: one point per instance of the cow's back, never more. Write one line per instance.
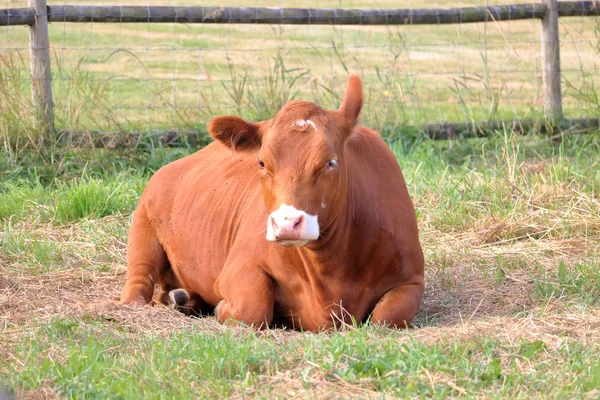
(197, 205)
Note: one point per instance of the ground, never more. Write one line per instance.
(511, 232)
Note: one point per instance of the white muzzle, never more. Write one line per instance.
(289, 226)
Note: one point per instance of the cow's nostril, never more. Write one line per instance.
(273, 223)
(298, 222)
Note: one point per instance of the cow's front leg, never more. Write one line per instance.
(399, 306)
(247, 297)
(146, 261)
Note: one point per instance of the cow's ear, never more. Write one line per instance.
(236, 133)
(353, 101)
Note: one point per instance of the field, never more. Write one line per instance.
(510, 224)
(511, 232)
(154, 77)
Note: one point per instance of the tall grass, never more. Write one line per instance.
(17, 111)
(82, 104)
(95, 198)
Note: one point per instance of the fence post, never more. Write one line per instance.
(41, 79)
(551, 63)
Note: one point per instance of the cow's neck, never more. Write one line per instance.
(337, 231)
(326, 254)
(325, 264)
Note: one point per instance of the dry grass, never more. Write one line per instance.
(459, 299)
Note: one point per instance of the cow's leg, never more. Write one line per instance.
(399, 306)
(146, 262)
(175, 296)
(188, 303)
(167, 283)
(247, 297)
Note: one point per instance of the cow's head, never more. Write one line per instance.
(300, 159)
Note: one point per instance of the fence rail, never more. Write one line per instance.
(296, 16)
(38, 15)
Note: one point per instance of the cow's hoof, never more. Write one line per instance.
(178, 298)
(136, 302)
(218, 310)
(114, 301)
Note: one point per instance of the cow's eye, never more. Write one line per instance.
(332, 163)
(261, 164)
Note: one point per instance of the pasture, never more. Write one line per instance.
(510, 225)
(510, 231)
(123, 77)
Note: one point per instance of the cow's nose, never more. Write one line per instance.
(292, 227)
(287, 227)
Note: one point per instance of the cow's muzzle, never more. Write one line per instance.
(289, 226)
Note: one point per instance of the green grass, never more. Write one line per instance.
(67, 202)
(43, 255)
(580, 281)
(91, 359)
(511, 236)
(97, 198)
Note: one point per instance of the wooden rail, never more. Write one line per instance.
(38, 15)
(485, 129)
(432, 131)
(296, 16)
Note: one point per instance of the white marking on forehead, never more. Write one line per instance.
(303, 122)
(323, 205)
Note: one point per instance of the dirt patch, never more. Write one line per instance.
(41, 393)
(42, 297)
(458, 300)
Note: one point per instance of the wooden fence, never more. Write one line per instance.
(39, 14)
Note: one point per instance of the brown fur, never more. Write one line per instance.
(201, 223)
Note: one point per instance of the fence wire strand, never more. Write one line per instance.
(151, 77)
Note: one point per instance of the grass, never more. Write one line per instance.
(68, 202)
(511, 236)
(361, 362)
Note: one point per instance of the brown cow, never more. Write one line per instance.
(303, 221)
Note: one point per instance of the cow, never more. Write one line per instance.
(301, 221)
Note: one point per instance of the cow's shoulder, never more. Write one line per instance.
(378, 190)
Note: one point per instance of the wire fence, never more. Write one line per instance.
(155, 77)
